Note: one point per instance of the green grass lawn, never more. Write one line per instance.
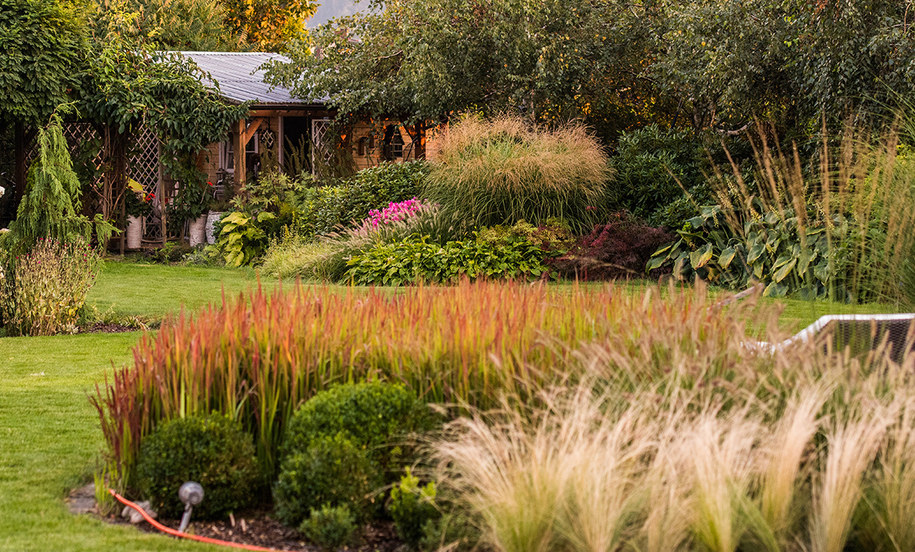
(154, 290)
(49, 431)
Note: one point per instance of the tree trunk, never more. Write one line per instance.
(23, 139)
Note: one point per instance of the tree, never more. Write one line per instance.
(41, 41)
(268, 25)
(424, 60)
(193, 25)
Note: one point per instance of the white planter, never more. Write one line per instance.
(196, 234)
(134, 232)
(212, 218)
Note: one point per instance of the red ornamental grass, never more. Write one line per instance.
(259, 357)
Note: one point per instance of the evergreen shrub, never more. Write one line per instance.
(211, 450)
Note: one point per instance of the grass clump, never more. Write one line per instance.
(503, 171)
(43, 291)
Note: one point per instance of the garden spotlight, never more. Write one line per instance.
(191, 494)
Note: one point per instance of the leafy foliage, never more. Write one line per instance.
(330, 526)
(659, 176)
(412, 507)
(331, 470)
(51, 206)
(187, 25)
(268, 25)
(619, 249)
(503, 171)
(771, 250)
(375, 416)
(418, 259)
(326, 208)
(243, 238)
(555, 59)
(41, 41)
(211, 450)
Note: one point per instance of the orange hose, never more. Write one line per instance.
(175, 533)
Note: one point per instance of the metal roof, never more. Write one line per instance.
(241, 77)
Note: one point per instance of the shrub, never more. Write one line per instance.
(619, 249)
(328, 208)
(327, 259)
(648, 164)
(375, 416)
(50, 206)
(43, 291)
(417, 259)
(330, 470)
(503, 171)
(330, 527)
(211, 450)
(412, 508)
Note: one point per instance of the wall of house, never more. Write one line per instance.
(366, 141)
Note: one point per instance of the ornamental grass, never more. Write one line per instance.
(260, 356)
(822, 464)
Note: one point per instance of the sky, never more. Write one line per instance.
(333, 8)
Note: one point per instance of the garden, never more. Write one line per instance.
(477, 352)
(565, 326)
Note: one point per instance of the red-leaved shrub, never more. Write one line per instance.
(619, 249)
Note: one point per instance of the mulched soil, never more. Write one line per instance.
(254, 527)
(100, 327)
(259, 529)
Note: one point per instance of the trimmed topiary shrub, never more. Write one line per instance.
(211, 450)
(330, 470)
(504, 171)
(330, 527)
(343, 444)
(374, 416)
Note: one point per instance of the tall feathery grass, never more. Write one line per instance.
(587, 468)
(803, 448)
(503, 170)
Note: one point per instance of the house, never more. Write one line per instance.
(294, 132)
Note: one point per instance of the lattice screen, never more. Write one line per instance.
(320, 138)
(143, 167)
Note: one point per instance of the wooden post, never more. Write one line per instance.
(162, 199)
(419, 141)
(239, 144)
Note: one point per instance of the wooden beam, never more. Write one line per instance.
(253, 128)
(239, 144)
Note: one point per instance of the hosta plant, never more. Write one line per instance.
(774, 249)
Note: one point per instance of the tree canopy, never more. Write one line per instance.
(614, 63)
(41, 41)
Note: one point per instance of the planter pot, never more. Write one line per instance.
(212, 218)
(196, 234)
(134, 232)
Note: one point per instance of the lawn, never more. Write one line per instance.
(50, 432)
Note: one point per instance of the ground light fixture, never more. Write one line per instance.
(191, 494)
